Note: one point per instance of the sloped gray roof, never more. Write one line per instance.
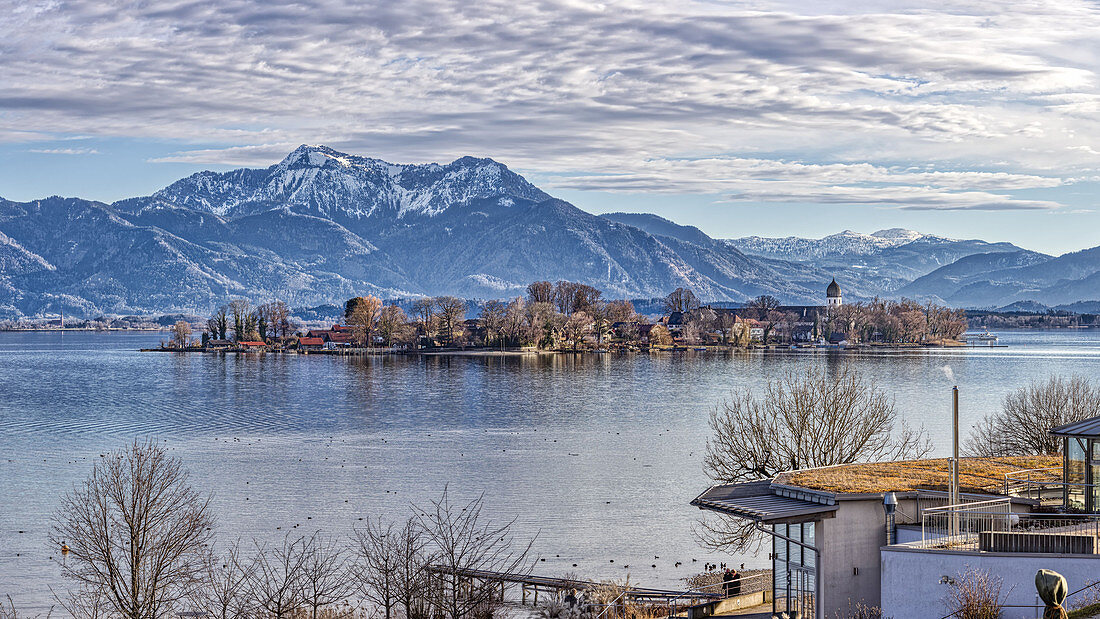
(1084, 428)
(758, 501)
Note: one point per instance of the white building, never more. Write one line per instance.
(833, 543)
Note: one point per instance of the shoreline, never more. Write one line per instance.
(486, 352)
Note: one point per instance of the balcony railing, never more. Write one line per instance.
(1046, 486)
(993, 526)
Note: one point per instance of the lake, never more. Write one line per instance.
(598, 454)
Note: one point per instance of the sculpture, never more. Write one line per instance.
(1052, 588)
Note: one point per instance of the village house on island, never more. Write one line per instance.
(887, 535)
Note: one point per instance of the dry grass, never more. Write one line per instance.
(976, 475)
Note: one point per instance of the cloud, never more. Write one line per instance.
(559, 87)
(769, 180)
(259, 155)
(64, 151)
(906, 198)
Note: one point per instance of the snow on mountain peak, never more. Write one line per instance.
(898, 234)
(322, 181)
(847, 242)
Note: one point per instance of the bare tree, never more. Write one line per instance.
(1029, 413)
(379, 564)
(492, 319)
(576, 327)
(275, 577)
(564, 296)
(424, 311)
(326, 574)
(601, 320)
(724, 322)
(135, 530)
(392, 324)
(412, 590)
(222, 588)
(181, 334)
(681, 300)
(84, 603)
(364, 318)
(620, 311)
(278, 316)
(822, 417)
(458, 539)
(540, 292)
(542, 323)
(513, 322)
(452, 311)
(765, 308)
(659, 336)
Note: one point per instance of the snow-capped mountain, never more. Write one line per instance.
(321, 226)
(319, 181)
(884, 260)
(847, 243)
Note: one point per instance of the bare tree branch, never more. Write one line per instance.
(135, 529)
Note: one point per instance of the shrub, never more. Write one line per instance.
(975, 594)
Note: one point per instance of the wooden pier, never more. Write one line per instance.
(530, 584)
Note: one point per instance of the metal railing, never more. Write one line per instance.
(753, 583)
(1047, 486)
(992, 526)
(799, 593)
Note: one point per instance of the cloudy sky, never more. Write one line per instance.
(967, 120)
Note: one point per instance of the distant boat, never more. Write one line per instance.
(703, 348)
(984, 336)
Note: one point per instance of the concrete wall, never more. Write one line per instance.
(911, 578)
(908, 533)
(850, 556)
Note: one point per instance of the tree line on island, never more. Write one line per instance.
(574, 316)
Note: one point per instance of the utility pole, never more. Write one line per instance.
(954, 485)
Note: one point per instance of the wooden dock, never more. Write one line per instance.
(530, 584)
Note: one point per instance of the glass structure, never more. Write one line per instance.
(794, 569)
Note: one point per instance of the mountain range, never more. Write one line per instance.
(321, 226)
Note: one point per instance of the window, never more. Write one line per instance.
(1076, 473)
(794, 577)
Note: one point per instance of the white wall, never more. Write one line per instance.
(850, 545)
(911, 587)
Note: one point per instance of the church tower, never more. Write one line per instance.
(832, 296)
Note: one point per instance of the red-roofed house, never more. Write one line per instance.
(337, 337)
(310, 343)
(252, 345)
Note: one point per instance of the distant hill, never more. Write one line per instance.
(659, 226)
(880, 263)
(997, 280)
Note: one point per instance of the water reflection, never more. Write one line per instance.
(602, 453)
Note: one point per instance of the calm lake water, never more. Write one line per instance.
(600, 455)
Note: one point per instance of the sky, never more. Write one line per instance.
(969, 120)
